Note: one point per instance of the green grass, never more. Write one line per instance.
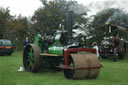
(113, 73)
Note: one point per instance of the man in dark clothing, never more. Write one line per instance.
(26, 42)
(63, 38)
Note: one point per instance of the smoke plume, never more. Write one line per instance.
(99, 5)
(78, 8)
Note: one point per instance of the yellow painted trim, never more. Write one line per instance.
(45, 54)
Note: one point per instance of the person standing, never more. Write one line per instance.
(94, 44)
(26, 42)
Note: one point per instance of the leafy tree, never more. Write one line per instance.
(4, 18)
(53, 13)
(18, 29)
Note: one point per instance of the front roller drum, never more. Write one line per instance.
(89, 64)
(31, 58)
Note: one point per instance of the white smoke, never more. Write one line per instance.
(97, 5)
(78, 8)
(113, 17)
(120, 17)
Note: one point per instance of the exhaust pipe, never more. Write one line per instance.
(69, 25)
(107, 29)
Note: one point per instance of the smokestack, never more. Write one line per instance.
(107, 29)
(69, 25)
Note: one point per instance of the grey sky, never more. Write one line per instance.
(27, 7)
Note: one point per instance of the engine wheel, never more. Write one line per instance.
(69, 72)
(115, 54)
(31, 58)
(123, 53)
(79, 61)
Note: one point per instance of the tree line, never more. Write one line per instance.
(53, 13)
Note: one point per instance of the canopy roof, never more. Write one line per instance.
(113, 27)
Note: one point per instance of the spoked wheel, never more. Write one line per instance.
(31, 58)
(123, 53)
(82, 61)
(115, 54)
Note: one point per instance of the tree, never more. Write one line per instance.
(4, 18)
(54, 13)
(14, 28)
(18, 28)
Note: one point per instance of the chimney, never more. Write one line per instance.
(107, 29)
(69, 25)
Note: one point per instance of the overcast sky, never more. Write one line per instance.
(27, 7)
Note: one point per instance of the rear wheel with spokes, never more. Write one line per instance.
(31, 58)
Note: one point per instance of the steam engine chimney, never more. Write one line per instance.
(69, 25)
(107, 29)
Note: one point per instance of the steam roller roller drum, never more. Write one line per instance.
(80, 61)
(31, 58)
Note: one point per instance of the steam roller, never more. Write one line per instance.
(61, 51)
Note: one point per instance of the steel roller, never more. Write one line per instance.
(88, 63)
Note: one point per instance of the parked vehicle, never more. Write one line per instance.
(113, 44)
(6, 47)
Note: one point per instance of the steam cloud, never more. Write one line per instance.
(114, 16)
(97, 6)
(78, 8)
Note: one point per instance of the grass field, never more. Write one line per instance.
(113, 73)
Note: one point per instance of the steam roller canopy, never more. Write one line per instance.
(83, 61)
